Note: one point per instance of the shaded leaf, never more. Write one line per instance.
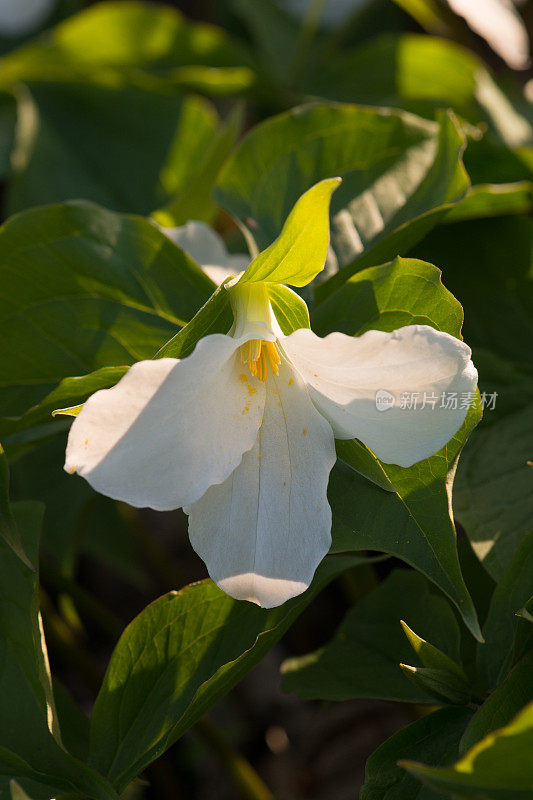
(8, 526)
(149, 45)
(503, 629)
(494, 490)
(88, 288)
(175, 660)
(114, 146)
(362, 660)
(497, 768)
(434, 737)
(501, 706)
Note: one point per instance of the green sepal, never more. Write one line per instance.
(299, 252)
(431, 656)
(444, 686)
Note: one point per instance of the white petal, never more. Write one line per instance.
(169, 429)
(500, 24)
(207, 248)
(344, 374)
(264, 531)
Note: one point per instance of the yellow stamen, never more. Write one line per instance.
(258, 354)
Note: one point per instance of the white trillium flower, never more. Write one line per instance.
(19, 17)
(208, 249)
(241, 433)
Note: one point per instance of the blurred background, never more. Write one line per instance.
(93, 106)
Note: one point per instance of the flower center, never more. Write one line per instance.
(257, 354)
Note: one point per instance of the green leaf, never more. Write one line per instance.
(503, 628)
(412, 522)
(8, 526)
(299, 253)
(69, 392)
(493, 200)
(30, 737)
(400, 175)
(152, 46)
(73, 722)
(411, 71)
(403, 292)
(39, 475)
(494, 490)
(175, 660)
(502, 705)
(88, 289)
(117, 147)
(362, 660)
(434, 737)
(498, 768)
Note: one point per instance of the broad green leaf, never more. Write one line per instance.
(114, 146)
(497, 768)
(503, 629)
(30, 737)
(76, 520)
(88, 289)
(400, 175)
(502, 705)
(494, 490)
(434, 737)
(415, 71)
(113, 43)
(8, 526)
(493, 200)
(403, 292)
(423, 74)
(363, 658)
(69, 392)
(175, 660)
(412, 522)
(74, 724)
(299, 253)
